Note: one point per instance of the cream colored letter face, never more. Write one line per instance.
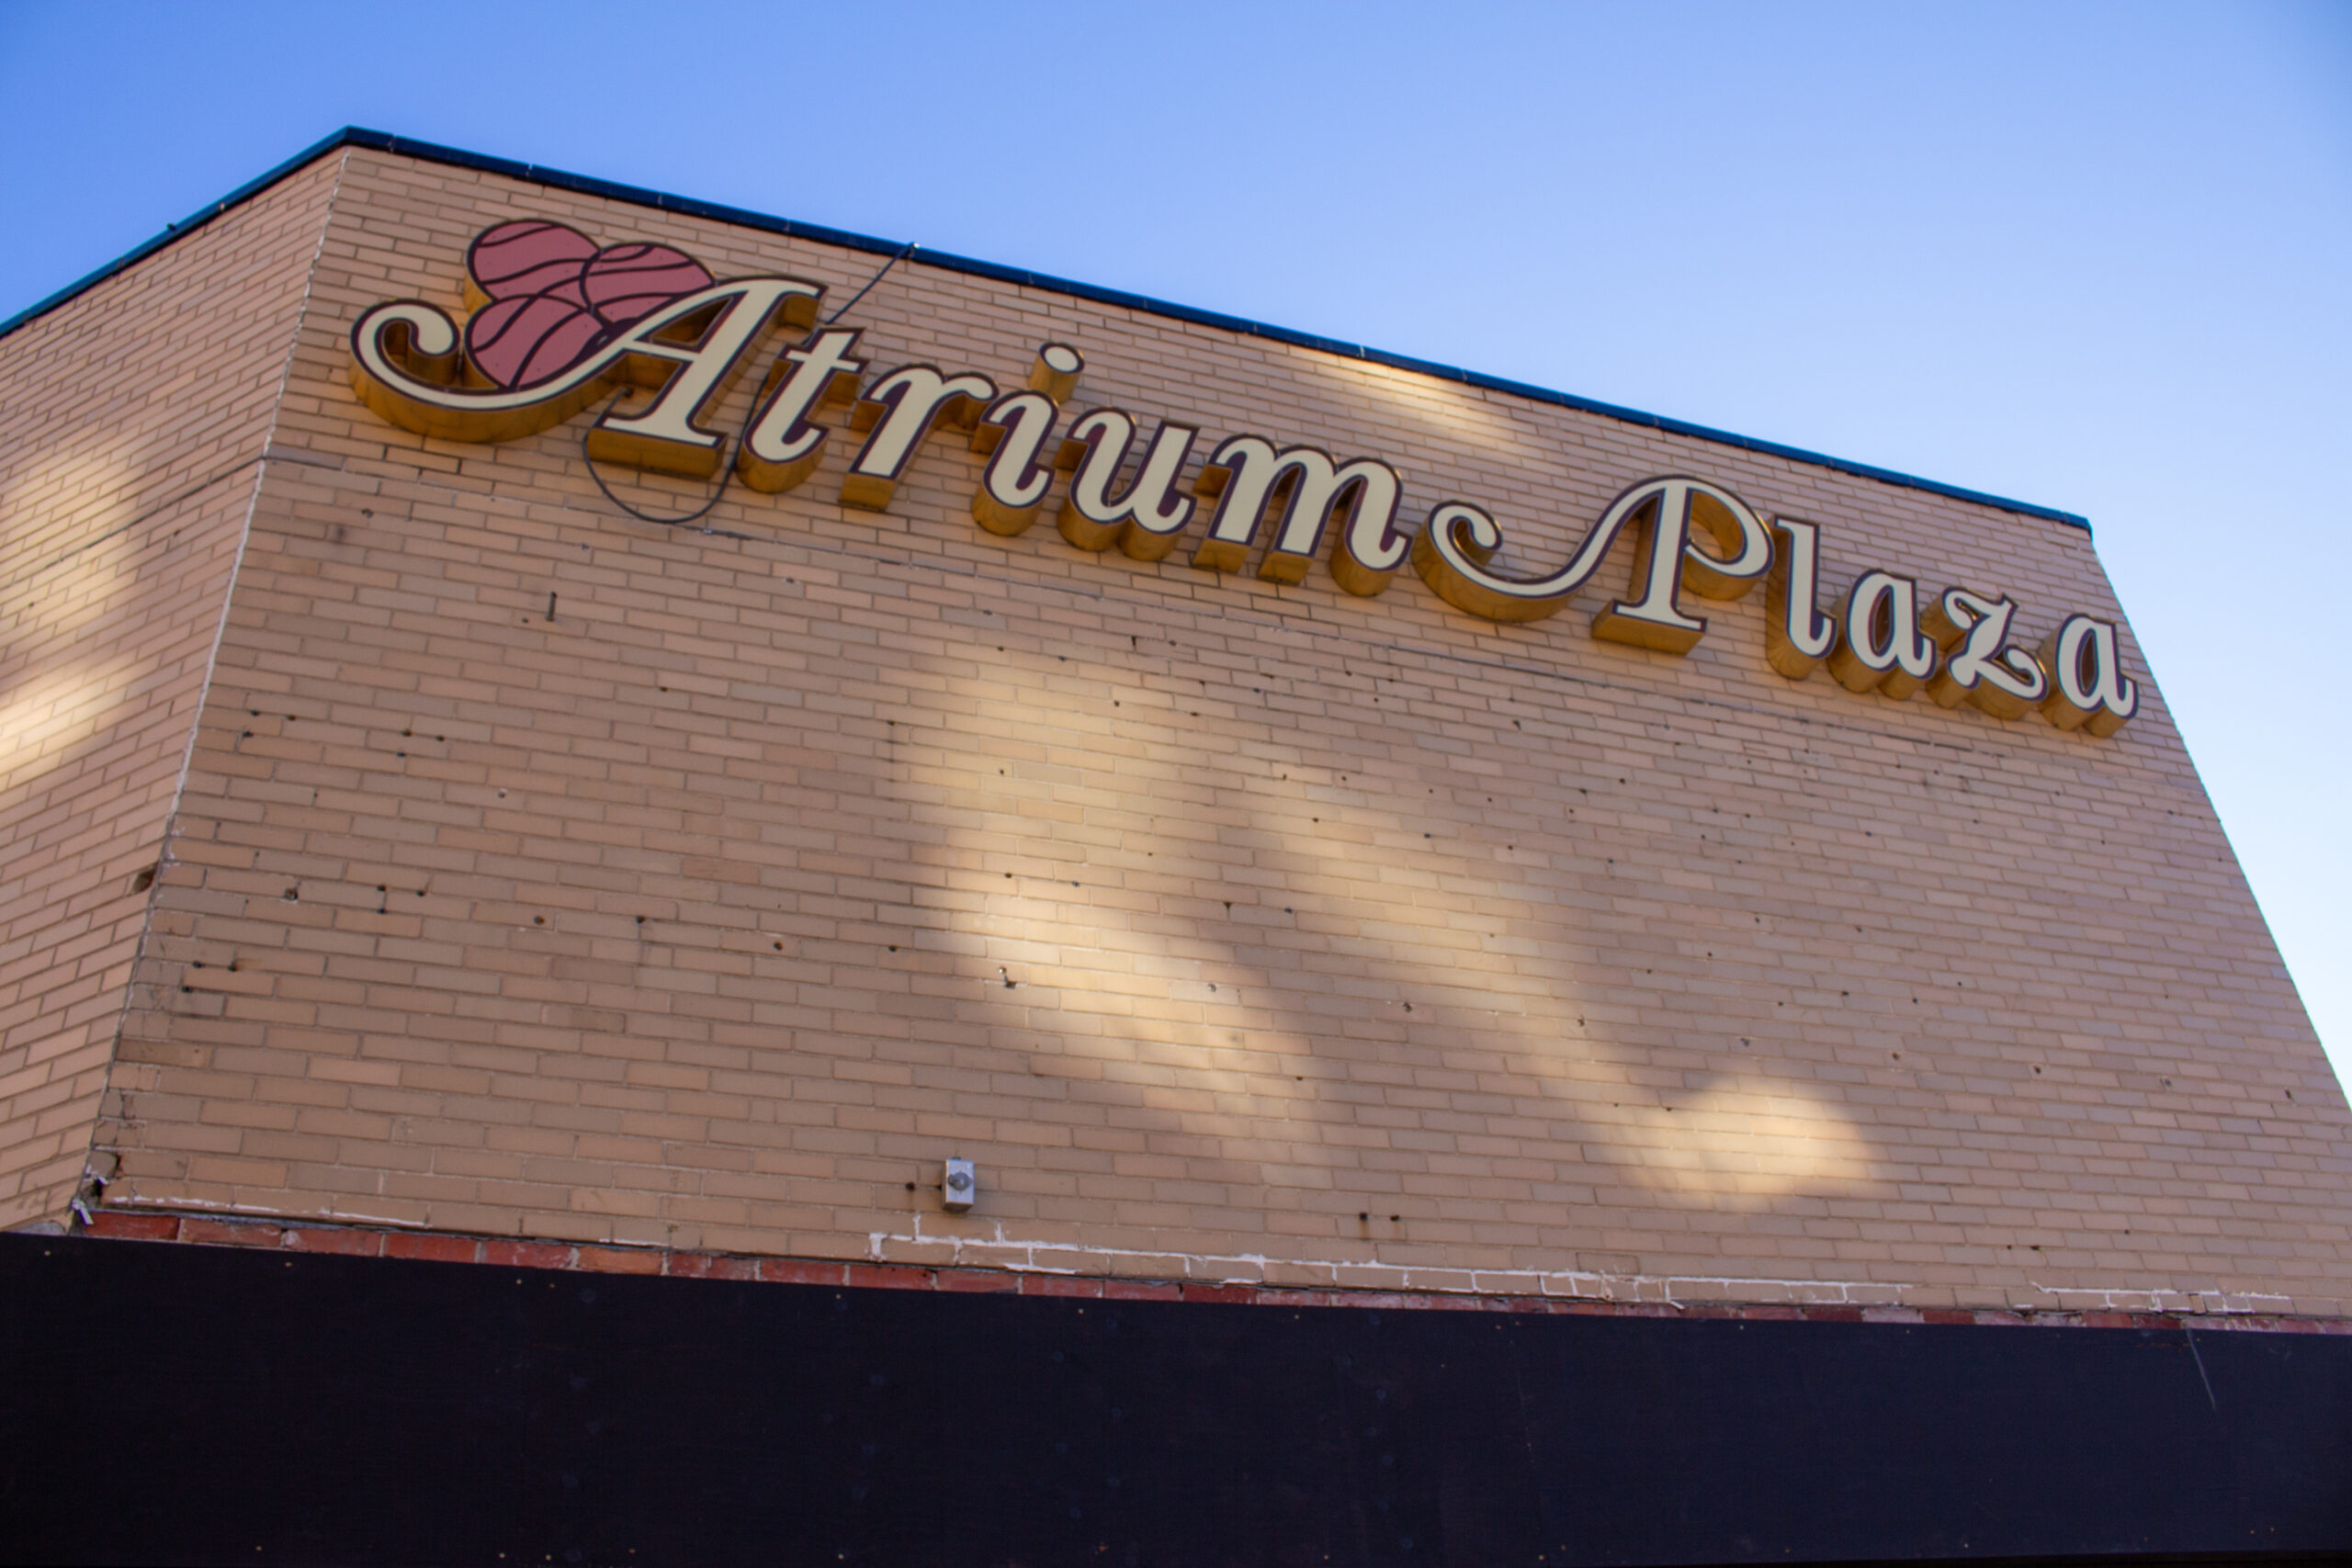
(1246, 472)
(1454, 551)
(1012, 433)
(1797, 636)
(1980, 666)
(2088, 690)
(1368, 549)
(900, 408)
(1145, 521)
(398, 349)
(665, 435)
(1880, 644)
(782, 447)
(1667, 559)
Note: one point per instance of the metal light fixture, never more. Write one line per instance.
(963, 1186)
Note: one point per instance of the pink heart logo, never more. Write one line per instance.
(555, 298)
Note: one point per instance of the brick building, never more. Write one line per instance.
(413, 852)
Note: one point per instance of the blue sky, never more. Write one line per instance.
(2093, 256)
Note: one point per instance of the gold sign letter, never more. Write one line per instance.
(782, 449)
(1984, 672)
(1667, 560)
(1145, 522)
(2088, 688)
(1880, 646)
(1247, 471)
(1011, 432)
(1452, 551)
(899, 409)
(404, 359)
(1797, 636)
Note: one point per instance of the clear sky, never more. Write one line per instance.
(2093, 256)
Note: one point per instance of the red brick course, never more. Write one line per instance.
(434, 1248)
(356, 1241)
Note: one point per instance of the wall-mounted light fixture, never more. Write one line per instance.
(963, 1185)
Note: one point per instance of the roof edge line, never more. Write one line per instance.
(637, 195)
(347, 137)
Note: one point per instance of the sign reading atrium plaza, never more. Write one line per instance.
(556, 323)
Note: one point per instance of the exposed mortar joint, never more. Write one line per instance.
(1000, 1251)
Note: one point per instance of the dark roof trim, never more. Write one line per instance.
(377, 140)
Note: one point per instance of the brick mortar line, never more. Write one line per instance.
(198, 487)
(1305, 624)
(101, 1161)
(444, 1247)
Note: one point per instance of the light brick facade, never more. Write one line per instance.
(541, 872)
(136, 419)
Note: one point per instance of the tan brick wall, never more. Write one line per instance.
(136, 419)
(1237, 930)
